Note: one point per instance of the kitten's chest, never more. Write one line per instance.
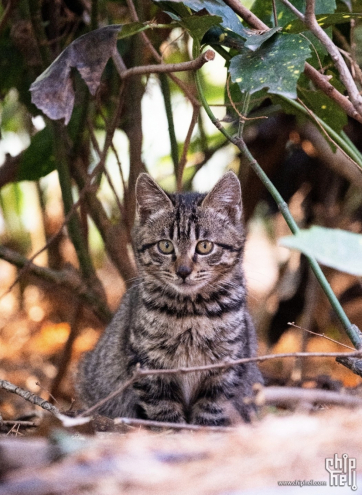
(197, 343)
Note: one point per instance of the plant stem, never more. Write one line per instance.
(74, 227)
(39, 33)
(351, 330)
(166, 93)
(94, 14)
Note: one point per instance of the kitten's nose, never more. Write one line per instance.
(183, 271)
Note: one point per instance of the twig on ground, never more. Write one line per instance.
(163, 424)
(292, 396)
(21, 423)
(25, 394)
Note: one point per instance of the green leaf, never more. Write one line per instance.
(324, 20)
(175, 10)
(263, 10)
(132, 28)
(286, 16)
(256, 40)
(276, 65)
(324, 107)
(216, 7)
(38, 159)
(336, 248)
(199, 25)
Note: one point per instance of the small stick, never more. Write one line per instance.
(164, 424)
(25, 394)
(291, 396)
(320, 335)
(195, 64)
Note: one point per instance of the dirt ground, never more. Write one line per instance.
(250, 459)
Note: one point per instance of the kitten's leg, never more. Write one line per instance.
(159, 399)
(214, 405)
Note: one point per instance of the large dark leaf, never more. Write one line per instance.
(53, 90)
(216, 7)
(324, 20)
(256, 40)
(199, 25)
(276, 65)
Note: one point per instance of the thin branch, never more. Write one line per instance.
(15, 423)
(166, 93)
(167, 68)
(108, 177)
(293, 9)
(164, 424)
(25, 394)
(322, 82)
(275, 14)
(6, 14)
(139, 373)
(182, 164)
(290, 396)
(320, 335)
(247, 15)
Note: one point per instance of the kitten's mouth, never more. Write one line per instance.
(187, 285)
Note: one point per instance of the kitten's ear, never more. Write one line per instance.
(150, 197)
(226, 197)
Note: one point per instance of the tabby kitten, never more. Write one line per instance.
(188, 308)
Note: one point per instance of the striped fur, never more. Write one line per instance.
(186, 309)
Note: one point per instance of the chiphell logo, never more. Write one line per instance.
(342, 471)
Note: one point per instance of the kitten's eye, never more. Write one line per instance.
(204, 247)
(166, 247)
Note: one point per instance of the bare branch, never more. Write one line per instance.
(288, 396)
(295, 11)
(167, 68)
(320, 335)
(25, 394)
(183, 160)
(164, 424)
(247, 15)
(322, 82)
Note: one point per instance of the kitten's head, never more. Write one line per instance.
(189, 241)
